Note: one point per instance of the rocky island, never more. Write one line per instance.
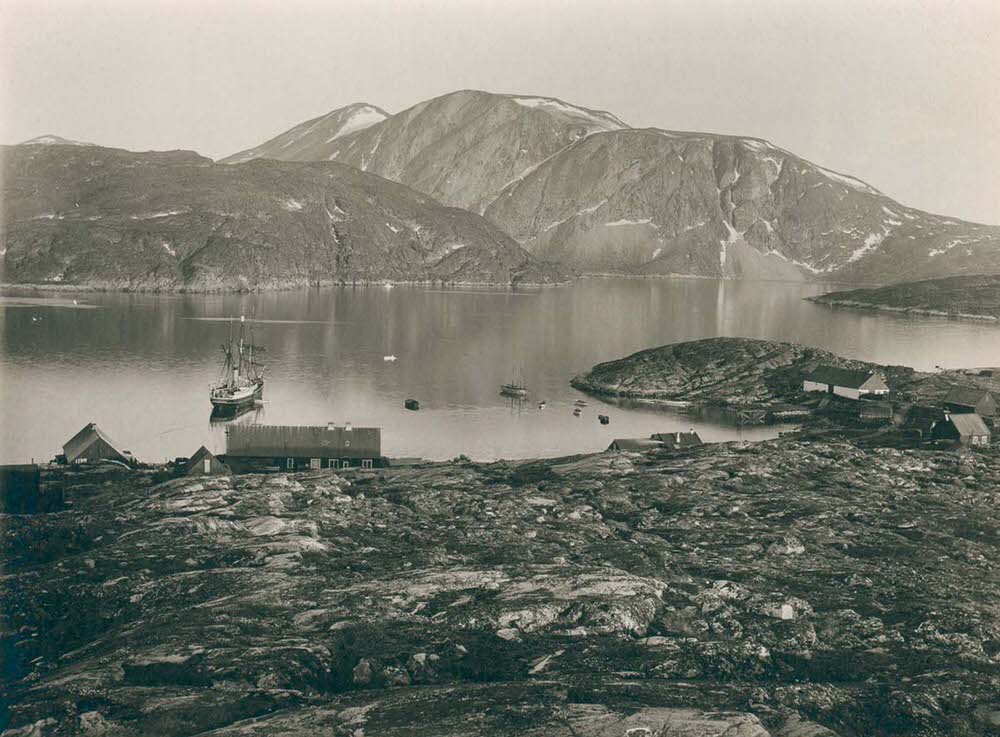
(969, 297)
(782, 588)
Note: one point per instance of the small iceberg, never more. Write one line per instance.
(388, 358)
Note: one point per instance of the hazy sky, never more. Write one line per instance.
(903, 94)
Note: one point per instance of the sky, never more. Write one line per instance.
(904, 94)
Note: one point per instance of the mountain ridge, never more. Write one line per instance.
(115, 219)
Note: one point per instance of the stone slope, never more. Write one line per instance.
(115, 219)
(660, 202)
(726, 590)
(307, 141)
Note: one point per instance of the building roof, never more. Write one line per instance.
(324, 441)
(634, 444)
(849, 378)
(82, 440)
(875, 408)
(200, 454)
(969, 424)
(966, 396)
(677, 439)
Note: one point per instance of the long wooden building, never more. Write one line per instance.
(92, 444)
(296, 448)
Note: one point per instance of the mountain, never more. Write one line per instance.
(659, 202)
(580, 187)
(51, 140)
(115, 219)
(463, 148)
(975, 297)
(307, 141)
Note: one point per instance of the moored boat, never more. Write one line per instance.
(242, 380)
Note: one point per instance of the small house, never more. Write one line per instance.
(847, 383)
(296, 448)
(635, 445)
(968, 430)
(205, 463)
(91, 444)
(967, 400)
(874, 411)
(922, 418)
(673, 440)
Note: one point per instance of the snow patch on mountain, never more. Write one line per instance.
(603, 121)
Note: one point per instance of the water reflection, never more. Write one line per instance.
(141, 365)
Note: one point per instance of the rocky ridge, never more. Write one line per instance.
(113, 219)
(781, 588)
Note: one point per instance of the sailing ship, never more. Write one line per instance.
(514, 388)
(242, 381)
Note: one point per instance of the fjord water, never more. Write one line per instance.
(140, 365)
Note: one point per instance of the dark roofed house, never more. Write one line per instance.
(677, 439)
(843, 382)
(966, 399)
(635, 445)
(205, 463)
(965, 429)
(91, 444)
(256, 447)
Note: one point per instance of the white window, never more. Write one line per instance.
(207, 465)
(366, 463)
(290, 463)
(314, 463)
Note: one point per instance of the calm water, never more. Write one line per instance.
(140, 365)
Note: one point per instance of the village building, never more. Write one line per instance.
(968, 430)
(295, 448)
(634, 444)
(874, 411)
(92, 444)
(922, 418)
(965, 400)
(205, 463)
(677, 439)
(846, 383)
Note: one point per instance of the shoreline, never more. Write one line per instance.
(915, 311)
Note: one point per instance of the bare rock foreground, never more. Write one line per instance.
(780, 588)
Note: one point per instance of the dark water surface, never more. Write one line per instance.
(141, 365)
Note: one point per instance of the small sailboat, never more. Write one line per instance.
(242, 380)
(542, 404)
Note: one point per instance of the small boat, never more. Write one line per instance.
(242, 381)
(411, 404)
(541, 405)
(580, 403)
(577, 412)
(389, 358)
(603, 419)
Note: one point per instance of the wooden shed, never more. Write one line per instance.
(293, 448)
(205, 463)
(967, 399)
(92, 444)
(968, 430)
(634, 444)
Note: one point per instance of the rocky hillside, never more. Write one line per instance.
(52, 140)
(716, 371)
(975, 297)
(783, 589)
(463, 148)
(581, 187)
(657, 202)
(114, 219)
(307, 141)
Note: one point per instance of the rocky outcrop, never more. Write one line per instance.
(780, 588)
(970, 297)
(113, 219)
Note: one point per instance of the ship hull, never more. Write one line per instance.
(239, 399)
